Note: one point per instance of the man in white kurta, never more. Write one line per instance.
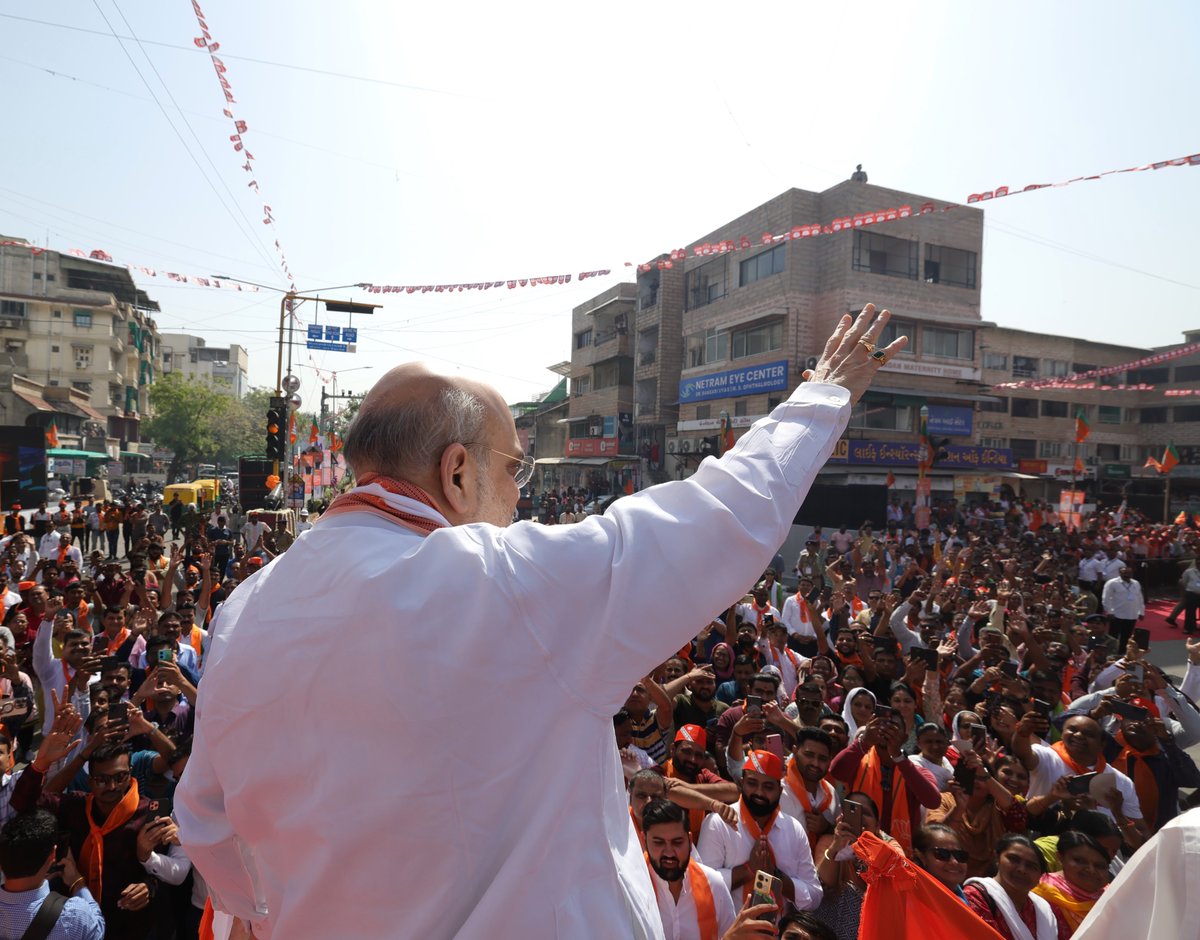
(391, 779)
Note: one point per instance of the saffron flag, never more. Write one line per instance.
(52, 434)
(1082, 428)
(1151, 462)
(314, 435)
(727, 439)
(891, 480)
(292, 428)
(904, 901)
(1170, 459)
(1078, 469)
(925, 455)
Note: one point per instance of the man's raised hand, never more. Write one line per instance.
(851, 357)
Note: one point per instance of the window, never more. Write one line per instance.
(51, 277)
(612, 372)
(83, 320)
(1108, 451)
(772, 404)
(993, 360)
(998, 405)
(1055, 409)
(711, 345)
(1153, 415)
(1050, 448)
(83, 356)
(582, 385)
(1082, 367)
(997, 443)
(952, 266)
(1023, 448)
(948, 344)
(1154, 376)
(83, 386)
(56, 314)
(703, 412)
(1054, 367)
(37, 275)
(1187, 373)
(883, 254)
(1109, 414)
(1024, 408)
(583, 338)
(878, 416)
(1024, 367)
(758, 339)
(647, 347)
(1187, 413)
(893, 329)
(54, 349)
(761, 265)
(705, 284)
(739, 408)
(12, 308)
(1136, 453)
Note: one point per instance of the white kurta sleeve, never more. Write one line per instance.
(723, 905)
(583, 590)
(793, 856)
(713, 847)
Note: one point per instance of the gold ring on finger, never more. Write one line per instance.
(879, 356)
(869, 347)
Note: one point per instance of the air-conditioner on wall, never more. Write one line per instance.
(82, 364)
(672, 445)
(595, 430)
(685, 446)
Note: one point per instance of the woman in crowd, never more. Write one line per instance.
(858, 709)
(1073, 891)
(938, 849)
(1006, 902)
(840, 870)
(981, 809)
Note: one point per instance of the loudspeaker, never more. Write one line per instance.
(252, 481)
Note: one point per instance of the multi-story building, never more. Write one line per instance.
(223, 367)
(79, 323)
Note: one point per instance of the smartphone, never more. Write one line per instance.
(1045, 709)
(14, 708)
(853, 814)
(765, 886)
(885, 711)
(118, 715)
(1141, 636)
(99, 642)
(166, 655)
(1137, 670)
(926, 655)
(1127, 711)
(963, 745)
(1081, 784)
(109, 662)
(161, 807)
(775, 745)
(964, 776)
(1009, 668)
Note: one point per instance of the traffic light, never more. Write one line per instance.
(277, 421)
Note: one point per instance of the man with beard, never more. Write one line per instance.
(807, 796)
(686, 764)
(766, 687)
(775, 652)
(763, 840)
(693, 900)
(698, 705)
(66, 677)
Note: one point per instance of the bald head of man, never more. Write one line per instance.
(452, 437)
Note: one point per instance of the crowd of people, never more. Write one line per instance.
(101, 653)
(976, 694)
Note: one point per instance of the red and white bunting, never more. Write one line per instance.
(1073, 380)
(510, 283)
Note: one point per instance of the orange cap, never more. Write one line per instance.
(693, 733)
(765, 763)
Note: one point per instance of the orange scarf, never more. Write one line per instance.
(753, 829)
(790, 654)
(806, 615)
(197, 640)
(1061, 750)
(91, 856)
(797, 784)
(637, 827)
(702, 896)
(695, 816)
(114, 644)
(1134, 763)
(357, 499)
(870, 782)
(760, 612)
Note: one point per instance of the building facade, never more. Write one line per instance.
(77, 323)
(224, 368)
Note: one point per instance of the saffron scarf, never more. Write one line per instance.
(760, 612)
(806, 615)
(637, 827)
(114, 644)
(91, 855)
(702, 896)
(1134, 763)
(197, 641)
(1073, 905)
(796, 783)
(363, 499)
(1061, 750)
(869, 780)
(695, 816)
(756, 832)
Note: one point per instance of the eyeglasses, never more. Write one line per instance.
(524, 472)
(944, 855)
(114, 780)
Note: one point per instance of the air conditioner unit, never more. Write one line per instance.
(82, 364)
(672, 445)
(595, 430)
(685, 446)
(9, 324)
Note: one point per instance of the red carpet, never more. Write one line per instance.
(1155, 620)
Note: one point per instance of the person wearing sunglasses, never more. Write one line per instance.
(938, 849)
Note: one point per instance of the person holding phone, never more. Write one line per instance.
(838, 869)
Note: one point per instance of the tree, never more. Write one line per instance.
(189, 419)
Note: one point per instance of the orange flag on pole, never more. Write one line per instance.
(292, 428)
(314, 435)
(52, 435)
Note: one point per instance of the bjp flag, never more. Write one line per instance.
(1082, 428)
(292, 428)
(907, 903)
(314, 435)
(52, 435)
(1170, 459)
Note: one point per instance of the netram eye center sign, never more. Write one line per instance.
(749, 380)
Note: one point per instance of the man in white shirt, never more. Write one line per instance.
(253, 530)
(758, 610)
(62, 676)
(693, 900)
(69, 551)
(1079, 752)
(765, 839)
(439, 467)
(800, 618)
(48, 544)
(807, 796)
(1124, 604)
(775, 652)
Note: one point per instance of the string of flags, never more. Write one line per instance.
(97, 254)
(1077, 379)
(206, 42)
(511, 284)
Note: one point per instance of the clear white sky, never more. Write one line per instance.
(550, 138)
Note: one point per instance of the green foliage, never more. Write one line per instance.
(189, 418)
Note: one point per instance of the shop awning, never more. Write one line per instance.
(133, 453)
(72, 452)
(80, 408)
(36, 400)
(583, 461)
